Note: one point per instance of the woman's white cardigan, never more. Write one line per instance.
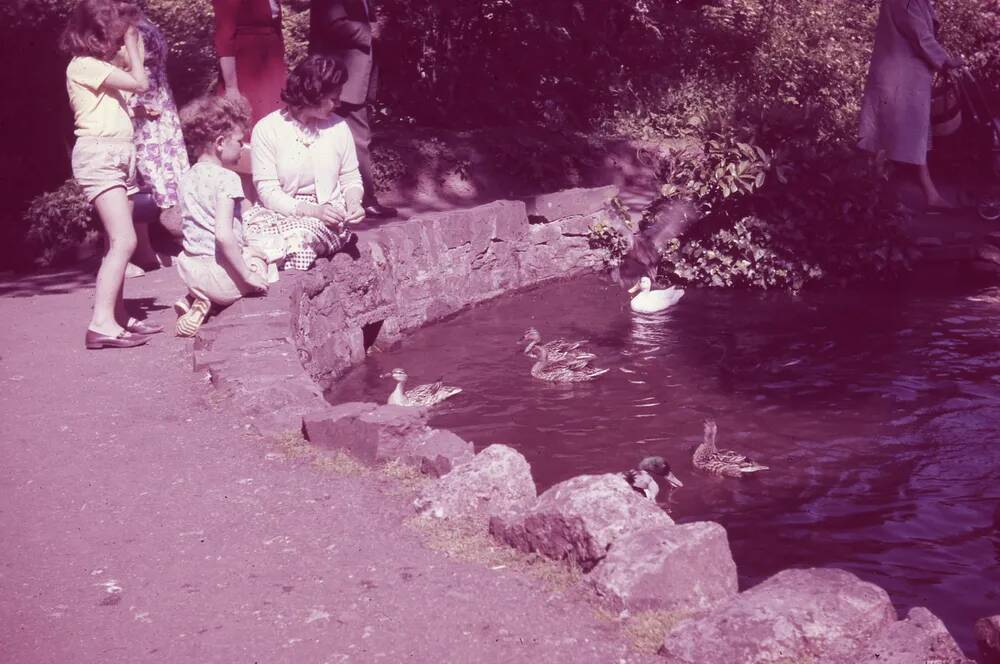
(289, 160)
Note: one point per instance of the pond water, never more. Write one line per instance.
(877, 412)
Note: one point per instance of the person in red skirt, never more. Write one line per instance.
(251, 52)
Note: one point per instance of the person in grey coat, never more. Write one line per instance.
(343, 29)
(896, 109)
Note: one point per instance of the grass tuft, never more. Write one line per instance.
(646, 629)
(465, 541)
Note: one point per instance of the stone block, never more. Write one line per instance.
(579, 519)
(921, 637)
(569, 203)
(496, 481)
(327, 428)
(374, 433)
(670, 568)
(988, 639)
(799, 615)
(436, 453)
(379, 434)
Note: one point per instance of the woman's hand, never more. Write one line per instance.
(354, 211)
(332, 215)
(354, 214)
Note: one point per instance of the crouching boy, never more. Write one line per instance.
(216, 264)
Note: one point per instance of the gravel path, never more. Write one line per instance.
(142, 522)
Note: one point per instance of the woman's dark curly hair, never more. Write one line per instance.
(207, 118)
(314, 79)
(96, 28)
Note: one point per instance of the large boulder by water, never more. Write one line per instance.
(920, 638)
(988, 639)
(579, 519)
(799, 615)
(373, 434)
(495, 481)
(671, 568)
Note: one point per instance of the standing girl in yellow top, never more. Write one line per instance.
(104, 155)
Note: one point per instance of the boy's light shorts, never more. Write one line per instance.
(101, 163)
(207, 280)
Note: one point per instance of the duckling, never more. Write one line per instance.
(649, 301)
(643, 478)
(566, 371)
(728, 463)
(422, 395)
(557, 349)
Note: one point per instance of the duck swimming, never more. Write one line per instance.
(558, 349)
(643, 478)
(649, 301)
(570, 370)
(728, 463)
(422, 395)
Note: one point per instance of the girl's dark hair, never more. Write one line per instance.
(316, 77)
(207, 118)
(97, 28)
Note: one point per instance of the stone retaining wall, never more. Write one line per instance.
(632, 554)
(410, 273)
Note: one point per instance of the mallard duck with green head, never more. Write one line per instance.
(643, 480)
(727, 463)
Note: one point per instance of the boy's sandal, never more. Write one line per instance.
(189, 323)
(142, 327)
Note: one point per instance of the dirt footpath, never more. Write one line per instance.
(142, 522)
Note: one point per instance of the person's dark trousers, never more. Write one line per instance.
(357, 120)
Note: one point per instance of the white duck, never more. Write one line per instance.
(422, 395)
(648, 301)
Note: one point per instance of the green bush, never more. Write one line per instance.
(59, 223)
(781, 209)
(639, 67)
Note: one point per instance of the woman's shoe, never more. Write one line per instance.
(124, 339)
(142, 327)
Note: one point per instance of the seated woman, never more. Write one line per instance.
(305, 168)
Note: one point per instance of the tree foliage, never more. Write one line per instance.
(636, 67)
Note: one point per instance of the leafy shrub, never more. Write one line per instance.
(641, 67)
(608, 236)
(59, 223)
(781, 210)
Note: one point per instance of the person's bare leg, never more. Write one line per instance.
(144, 254)
(115, 213)
(931, 193)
